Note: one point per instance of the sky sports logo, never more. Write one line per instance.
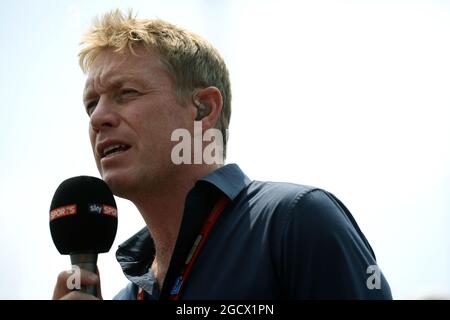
(63, 211)
(93, 208)
(96, 208)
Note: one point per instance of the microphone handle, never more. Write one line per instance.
(86, 261)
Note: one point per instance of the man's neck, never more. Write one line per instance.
(162, 211)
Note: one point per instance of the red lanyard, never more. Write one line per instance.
(177, 288)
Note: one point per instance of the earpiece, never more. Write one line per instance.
(202, 109)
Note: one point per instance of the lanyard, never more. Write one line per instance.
(199, 242)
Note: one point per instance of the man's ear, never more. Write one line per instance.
(208, 102)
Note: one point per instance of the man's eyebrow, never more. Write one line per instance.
(115, 81)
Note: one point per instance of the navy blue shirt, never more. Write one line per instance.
(273, 241)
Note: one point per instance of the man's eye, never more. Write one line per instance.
(91, 106)
(128, 92)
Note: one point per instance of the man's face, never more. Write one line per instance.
(133, 112)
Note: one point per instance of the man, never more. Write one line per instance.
(211, 232)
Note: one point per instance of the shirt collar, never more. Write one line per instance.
(137, 253)
(229, 179)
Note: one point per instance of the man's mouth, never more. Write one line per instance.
(114, 149)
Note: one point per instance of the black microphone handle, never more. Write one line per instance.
(86, 261)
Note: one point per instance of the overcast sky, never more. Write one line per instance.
(350, 96)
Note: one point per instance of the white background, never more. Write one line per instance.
(351, 96)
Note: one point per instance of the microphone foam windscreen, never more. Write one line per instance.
(83, 216)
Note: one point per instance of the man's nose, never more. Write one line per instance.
(104, 116)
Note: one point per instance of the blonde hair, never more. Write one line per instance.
(191, 60)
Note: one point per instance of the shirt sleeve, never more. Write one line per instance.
(325, 255)
(127, 293)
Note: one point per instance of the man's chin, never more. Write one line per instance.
(120, 185)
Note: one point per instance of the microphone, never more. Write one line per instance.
(83, 222)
